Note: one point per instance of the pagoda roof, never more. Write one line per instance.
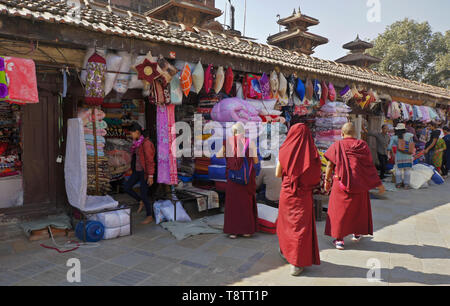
(356, 57)
(357, 44)
(286, 35)
(213, 12)
(298, 17)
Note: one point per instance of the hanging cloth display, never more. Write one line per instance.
(229, 80)
(173, 172)
(324, 95)
(176, 94)
(209, 79)
(21, 79)
(186, 80)
(274, 84)
(220, 78)
(265, 86)
(198, 77)
(95, 80)
(3, 83)
(331, 92)
(163, 145)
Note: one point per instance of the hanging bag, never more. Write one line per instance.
(242, 175)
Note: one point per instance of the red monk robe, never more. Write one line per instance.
(296, 226)
(349, 210)
(240, 200)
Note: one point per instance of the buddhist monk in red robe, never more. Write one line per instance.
(349, 210)
(240, 200)
(300, 168)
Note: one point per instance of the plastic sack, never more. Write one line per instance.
(234, 110)
(420, 174)
(113, 62)
(264, 107)
(164, 211)
(267, 218)
(134, 82)
(122, 80)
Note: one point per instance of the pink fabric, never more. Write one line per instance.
(172, 148)
(167, 163)
(22, 86)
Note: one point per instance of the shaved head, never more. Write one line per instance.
(348, 130)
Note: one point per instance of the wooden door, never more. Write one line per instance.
(39, 132)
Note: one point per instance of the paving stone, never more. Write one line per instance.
(105, 271)
(129, 260)
(9, 277)
(34, 268)
(153, 265)
(129, 278)
(52, 277)
(239, 253)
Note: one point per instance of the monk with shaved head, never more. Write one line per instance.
(350, 175)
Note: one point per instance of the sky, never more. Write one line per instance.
(339, 22)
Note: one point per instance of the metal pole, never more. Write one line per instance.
(245, 15)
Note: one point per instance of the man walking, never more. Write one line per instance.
(383, 140)
(349, 210)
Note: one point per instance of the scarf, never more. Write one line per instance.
(137, 144)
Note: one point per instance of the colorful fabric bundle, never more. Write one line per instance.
(264, 83)
(95, 80)
(331, 92)
(346, 94)
(324, 95)
(166, 70)
(186, 80)
(229, 79)
(252, 87)
(21, 75)
(209, 79)
(3, 84)
(300, 89)
(148, 71)
(274, 84)
(220, 79)
(198, 77)
(176, 94)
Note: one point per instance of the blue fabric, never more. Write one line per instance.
(300, 89)
(217, 173)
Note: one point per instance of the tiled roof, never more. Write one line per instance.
(133, 25)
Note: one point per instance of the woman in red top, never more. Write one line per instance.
(143, 167)
(300, 168)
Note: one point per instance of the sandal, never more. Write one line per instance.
(247, 236)
(232, 236)
(398, 186)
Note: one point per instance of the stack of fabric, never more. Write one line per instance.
(331, 117)
(101, 172)
(10, 164)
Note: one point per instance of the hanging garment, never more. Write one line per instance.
(220, 79)
(198, 77)
(186, 80)
(274, 84)
(229, 80)
(21, 75)
(3, 84)
(163, 145)
(95, 80)
(324, 95)
(176, 94)
(265, 86)
(331, 92)
(172, 148)
(209, 79)
(300, 89)
(309, 93)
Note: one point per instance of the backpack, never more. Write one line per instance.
(406, 147)
(242, 175)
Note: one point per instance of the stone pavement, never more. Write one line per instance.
(411, 244)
